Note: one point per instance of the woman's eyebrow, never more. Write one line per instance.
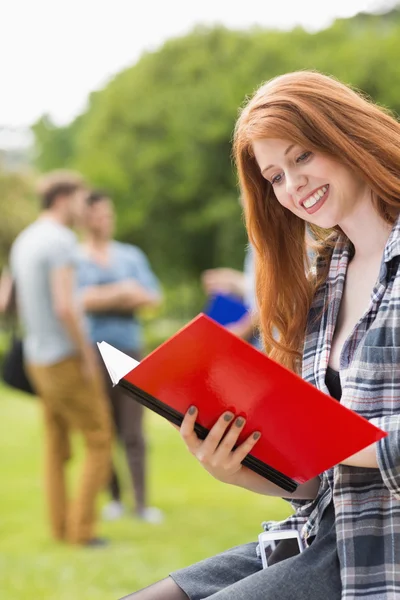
(288, 149)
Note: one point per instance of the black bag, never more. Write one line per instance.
(14, 373)
(13, 369)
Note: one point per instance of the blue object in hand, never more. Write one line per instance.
(225, 309)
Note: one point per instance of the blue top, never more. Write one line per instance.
(225, 309)
(126, 262)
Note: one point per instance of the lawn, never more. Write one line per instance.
(203, 517)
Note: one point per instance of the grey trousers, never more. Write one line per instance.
(238, 575)
(128, 420)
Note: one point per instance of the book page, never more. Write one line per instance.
(117, 363)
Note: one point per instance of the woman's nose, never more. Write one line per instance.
(295, 182)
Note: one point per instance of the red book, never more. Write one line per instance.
(303, 431)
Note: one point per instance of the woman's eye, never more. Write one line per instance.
(276, 179)
(303, 157)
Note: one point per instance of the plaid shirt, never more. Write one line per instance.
(367, 501)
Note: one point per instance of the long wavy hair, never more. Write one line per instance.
(320, 114)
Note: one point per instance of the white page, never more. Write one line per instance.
(118, 364)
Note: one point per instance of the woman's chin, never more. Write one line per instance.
(324, 222)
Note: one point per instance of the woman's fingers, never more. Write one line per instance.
(218, 449)
(226, 454)
(187, 430)
(214, 436)
(227, 444)
(240, 453)
(206, 448)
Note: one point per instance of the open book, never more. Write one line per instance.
(303, 431)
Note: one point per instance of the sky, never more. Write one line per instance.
(53, 54)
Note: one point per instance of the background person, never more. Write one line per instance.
(60, 360)
(232, 282)
(116, 281)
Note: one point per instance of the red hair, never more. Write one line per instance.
(320, 114)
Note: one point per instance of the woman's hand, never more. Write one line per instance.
(224, 281)
(215, 452)
(217, 456)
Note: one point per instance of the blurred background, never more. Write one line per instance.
(141, 98)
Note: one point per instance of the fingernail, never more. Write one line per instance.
(239, 421)
(228, 417)
(192, 410)
(256, 435)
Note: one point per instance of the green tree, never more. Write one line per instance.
(18, 208)
(158, 136)
(53, 145)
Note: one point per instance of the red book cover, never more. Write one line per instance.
(303, 431)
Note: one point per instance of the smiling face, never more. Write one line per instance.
(312, 185)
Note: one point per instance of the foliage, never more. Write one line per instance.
(203, 517)
(18, 207)
(158, 136)
(55, 143)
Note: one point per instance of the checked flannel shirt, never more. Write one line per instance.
(367, 501)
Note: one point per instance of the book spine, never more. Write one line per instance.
(175, 417)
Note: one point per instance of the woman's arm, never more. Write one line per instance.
(6, 292)
(383, 455)
(249, 480)
(365, 458)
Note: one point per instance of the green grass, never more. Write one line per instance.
(203, 517)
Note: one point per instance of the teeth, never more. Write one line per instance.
(312, 200)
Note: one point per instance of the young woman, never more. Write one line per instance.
(311, 153)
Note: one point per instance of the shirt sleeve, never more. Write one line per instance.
(65, 252)
(388, 452)
(142, 271)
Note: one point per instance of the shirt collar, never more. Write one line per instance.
(342, 250)
(340, 257)
(392, 247)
